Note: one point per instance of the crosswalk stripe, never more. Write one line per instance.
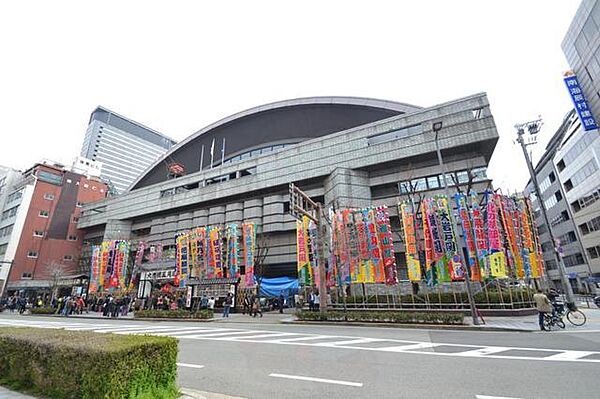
(350, 342)
(262, 336)
(483, 351)
(404, 348)
(184, 331)
(292, 340)
(569, 355)
(221, 334)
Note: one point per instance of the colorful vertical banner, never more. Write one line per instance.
(304, 268)
(452, 257)
(249, 243)
(467, 230)
(95, 268)
(386, 245)
(410, 242)
(430, 259)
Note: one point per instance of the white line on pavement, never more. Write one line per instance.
(483, 351)
(569, 355)
(192, 366)
(402, 348)
(350, 342)
(493, 397)
(303, 378)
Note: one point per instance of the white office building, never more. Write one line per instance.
(124, 147)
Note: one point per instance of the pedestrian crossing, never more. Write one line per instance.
(207, 332)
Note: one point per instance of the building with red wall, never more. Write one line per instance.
(44, 243)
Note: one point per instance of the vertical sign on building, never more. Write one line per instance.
(585, 114)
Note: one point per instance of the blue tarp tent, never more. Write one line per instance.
(272, 287)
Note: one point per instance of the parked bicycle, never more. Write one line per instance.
(575, 316)
(553, 322)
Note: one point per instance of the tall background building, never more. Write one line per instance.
(124, 147)
(581, 46)
(560, 213)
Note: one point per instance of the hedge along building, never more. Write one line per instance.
(344, 152)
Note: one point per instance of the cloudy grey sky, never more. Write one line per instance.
(178, 66)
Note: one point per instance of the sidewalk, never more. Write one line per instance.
(8, 394)
(186, 394)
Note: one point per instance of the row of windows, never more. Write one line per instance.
(586, 201)
(591, 226)
(567, 238)
(578, 148)
(14, 196)
(563, 217)
(395, 134)
(257, 152)
(437, 181)
(573, 260)
(555, 199)
(9, 212)
(579, 177)
(588, 32)
(215, 180)
(545, 184)
(6, 231)
(3, 249)
(34, 255)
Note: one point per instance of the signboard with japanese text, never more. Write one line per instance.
(581, 106)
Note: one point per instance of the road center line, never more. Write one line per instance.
(314, 379)
(190, 365)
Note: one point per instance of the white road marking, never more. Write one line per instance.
(350, 342)
(569, 355)
(193, 366)
(333, 341)
(402, 348)
(314, 379)
(493, 397)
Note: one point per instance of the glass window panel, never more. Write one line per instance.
(433, 182)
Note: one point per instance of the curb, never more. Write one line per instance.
(138, 319)
(412, 326)
(194, 394)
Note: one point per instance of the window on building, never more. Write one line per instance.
(594, 252)
(550, 264)
(477, 113)
(72, 238)
(48, 196)
(395, 135)
(9, 213)
(48, 177)
(591, 226)
(561, 165)
(542, 229)
(565, 215)
(68, 258)
(545, 184)
(3, 249)
(419, 184)
(26, 276)
(32, 254)
(479, 174)
(38, 233)
(547, 247)
(552, 177)
(79, 204)
(6, 231)
(573, 260)
(550, 202)
(433, 182)
(74, 219)
(568, 185)
(44, 214)
(462, 177)
(558, 196)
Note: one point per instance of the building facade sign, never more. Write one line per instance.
(159, 275)
(581, 106)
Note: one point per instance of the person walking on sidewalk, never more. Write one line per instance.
(543, 306)
(227, 305)
(281, 302)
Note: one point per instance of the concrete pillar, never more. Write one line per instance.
(347, 188)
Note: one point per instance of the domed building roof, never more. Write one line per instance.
(269, 127)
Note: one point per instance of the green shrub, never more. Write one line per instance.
(43, 310)
(173, 314)
(73, 364)
(384, 317)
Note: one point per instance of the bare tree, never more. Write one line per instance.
(261, 250)
(57, 272)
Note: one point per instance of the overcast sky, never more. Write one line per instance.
(177, 66)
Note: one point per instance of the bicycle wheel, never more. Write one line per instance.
(548, 323)
(560, 323)
(576, 317)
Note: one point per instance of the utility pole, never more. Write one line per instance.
(302, 205)
(437, 126)
(533, 128)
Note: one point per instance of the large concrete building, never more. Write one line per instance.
(38, 227)
(343, 151)
(124, 147)
(560, 213)
(8, 209)
(581, 46)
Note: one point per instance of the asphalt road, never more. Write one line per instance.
(262, 360)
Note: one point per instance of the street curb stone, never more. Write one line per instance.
(194, 394)
(414, 326)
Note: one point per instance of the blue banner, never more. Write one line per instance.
(585, 114)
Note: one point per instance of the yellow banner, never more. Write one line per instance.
(498, 264)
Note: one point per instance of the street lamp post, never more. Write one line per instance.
(533, 127)
(437, 126)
